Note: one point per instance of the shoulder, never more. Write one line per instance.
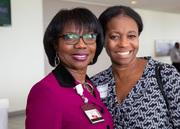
(43, 100)
(168, 72)
(170, 77)
(153, 63)
(102, 76)
(44, 93)
(45, 85)
(49, 79)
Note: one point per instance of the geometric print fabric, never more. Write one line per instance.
(144, 107)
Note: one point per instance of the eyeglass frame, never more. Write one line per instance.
(80, 36)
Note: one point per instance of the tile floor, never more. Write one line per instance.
(16, 121)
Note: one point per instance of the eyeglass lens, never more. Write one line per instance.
(87, 38)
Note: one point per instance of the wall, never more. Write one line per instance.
(21, 52)
(158, 25)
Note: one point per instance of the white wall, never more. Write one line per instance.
(21, 49)
(158, 25)
(21, 52)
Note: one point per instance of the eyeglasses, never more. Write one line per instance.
(73, 39)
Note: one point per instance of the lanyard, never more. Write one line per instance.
(80, 90)
(91, 112)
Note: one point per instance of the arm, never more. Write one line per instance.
(171, 81)
(42, 111)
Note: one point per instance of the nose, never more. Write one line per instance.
(80, 44)
(123, 41)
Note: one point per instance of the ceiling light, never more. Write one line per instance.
(133, 2)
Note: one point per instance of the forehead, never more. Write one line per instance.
(122, 22)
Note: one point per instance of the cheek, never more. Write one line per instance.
(109, 45)
(64, 49)
(136, 44)
(109, 48)
(93, 48)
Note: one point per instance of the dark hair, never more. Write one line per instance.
(114, 11)
(177, 44)
(81, 17)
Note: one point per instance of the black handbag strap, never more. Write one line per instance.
(158, 76)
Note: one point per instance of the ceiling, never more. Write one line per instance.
(171, 6)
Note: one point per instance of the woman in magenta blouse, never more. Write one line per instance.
(66, 98)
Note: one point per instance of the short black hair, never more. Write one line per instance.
(116, 10)
(177, 44)
(81, 17)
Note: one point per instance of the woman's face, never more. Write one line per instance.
(76, 56)
(122, 40)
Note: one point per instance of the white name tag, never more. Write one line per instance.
(103, 90)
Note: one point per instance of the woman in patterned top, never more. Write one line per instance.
(129, 87)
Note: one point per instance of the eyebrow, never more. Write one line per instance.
(132, 31)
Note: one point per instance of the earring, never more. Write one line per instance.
(56, 60)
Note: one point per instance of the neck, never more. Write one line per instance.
(137, 66)
(81, 82)
(124, 70)
(79, 75)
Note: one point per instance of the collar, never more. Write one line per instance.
(64, 77)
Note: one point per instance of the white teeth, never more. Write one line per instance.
(80, 56)
(123, 53)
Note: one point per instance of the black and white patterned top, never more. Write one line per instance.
(144, 107)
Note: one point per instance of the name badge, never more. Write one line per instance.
(92, 113)
(103, 90)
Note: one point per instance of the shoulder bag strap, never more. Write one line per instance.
(158, 76)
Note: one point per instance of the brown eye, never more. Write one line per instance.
(114, 37)
(131, 36)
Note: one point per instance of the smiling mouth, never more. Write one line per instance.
(80, 57)
(123, 53)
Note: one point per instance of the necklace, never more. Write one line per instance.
(88, 86)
